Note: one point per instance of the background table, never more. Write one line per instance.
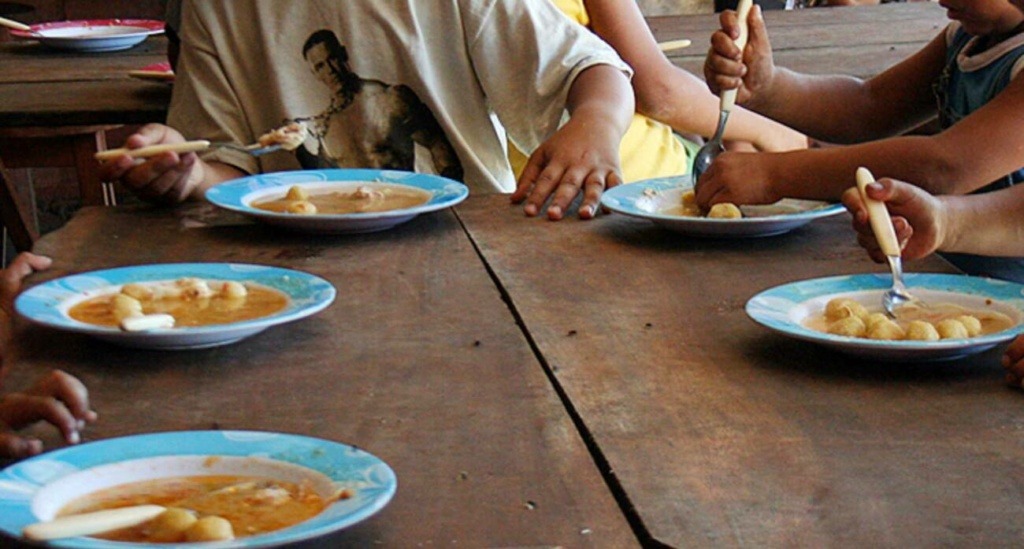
(861, 40)
(56, 108)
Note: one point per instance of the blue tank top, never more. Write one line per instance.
(960, 91)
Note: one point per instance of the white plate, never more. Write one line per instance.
(48, 303)
(35, 489)
(239, 194)
(92, 35)
(784, 309)
(648, 199)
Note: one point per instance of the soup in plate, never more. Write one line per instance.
(688, 208)
(207, 508)
(848, 317)
(189, 301)
(365, 198)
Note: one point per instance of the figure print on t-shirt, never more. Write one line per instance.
(368, 123)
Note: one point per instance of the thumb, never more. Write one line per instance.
(757, 30)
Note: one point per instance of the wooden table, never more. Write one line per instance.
(567, 384)
(861, 41)
(418, 361)
(718, 432)
(56, 107)
(43, 87)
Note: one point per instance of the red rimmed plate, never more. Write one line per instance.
(92, 35)
(160, 72)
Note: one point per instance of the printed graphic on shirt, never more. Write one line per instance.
(368, 123)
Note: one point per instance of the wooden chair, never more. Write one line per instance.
(18, 222)
(61, 147)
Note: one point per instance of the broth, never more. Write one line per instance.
(187, 310)
(253, 505)
(364, 199)
(989, 321)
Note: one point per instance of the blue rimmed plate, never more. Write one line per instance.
(652, 199)
(48, 303)
(785, 309)
(35, 489)
(238, 195)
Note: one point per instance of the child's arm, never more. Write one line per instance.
(832, 108)
(169, 178)
(583, 155)
(975, 151)
(672, 95)
(58, 398)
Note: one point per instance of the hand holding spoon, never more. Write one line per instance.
(707, 153)
(881, 225)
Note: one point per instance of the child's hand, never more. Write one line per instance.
(917, 216)
(576, 159)
(168, 178)
(23, 265)
(58, 398)
(1013, 361)
(750, 70)
(740, 178)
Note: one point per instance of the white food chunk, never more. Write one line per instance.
(147, 322)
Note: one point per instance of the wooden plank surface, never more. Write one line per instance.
(861, 41)
(418, 361)
(722, 433)
(45, 87)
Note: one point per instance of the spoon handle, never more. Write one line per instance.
(9, 23)
(881, 222)
(153, 150)
(728, 97)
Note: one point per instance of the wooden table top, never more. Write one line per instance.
(418, 361)
(860, 41)
(40, 86)
(43, 87)
(721, 433)
(566, 384)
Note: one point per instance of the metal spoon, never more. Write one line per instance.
(706, 155)
(881, 225)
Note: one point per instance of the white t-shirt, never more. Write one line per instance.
(430, 76)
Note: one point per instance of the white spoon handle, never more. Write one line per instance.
(153, 150)
(87, 524)
(4, 22)
(881, 222)
(728, 98)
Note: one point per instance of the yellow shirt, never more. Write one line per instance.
(649, 149)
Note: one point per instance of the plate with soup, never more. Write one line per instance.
(176, 305)
(239, 489)
(337, 201)
(668, 202)
(962, 315)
